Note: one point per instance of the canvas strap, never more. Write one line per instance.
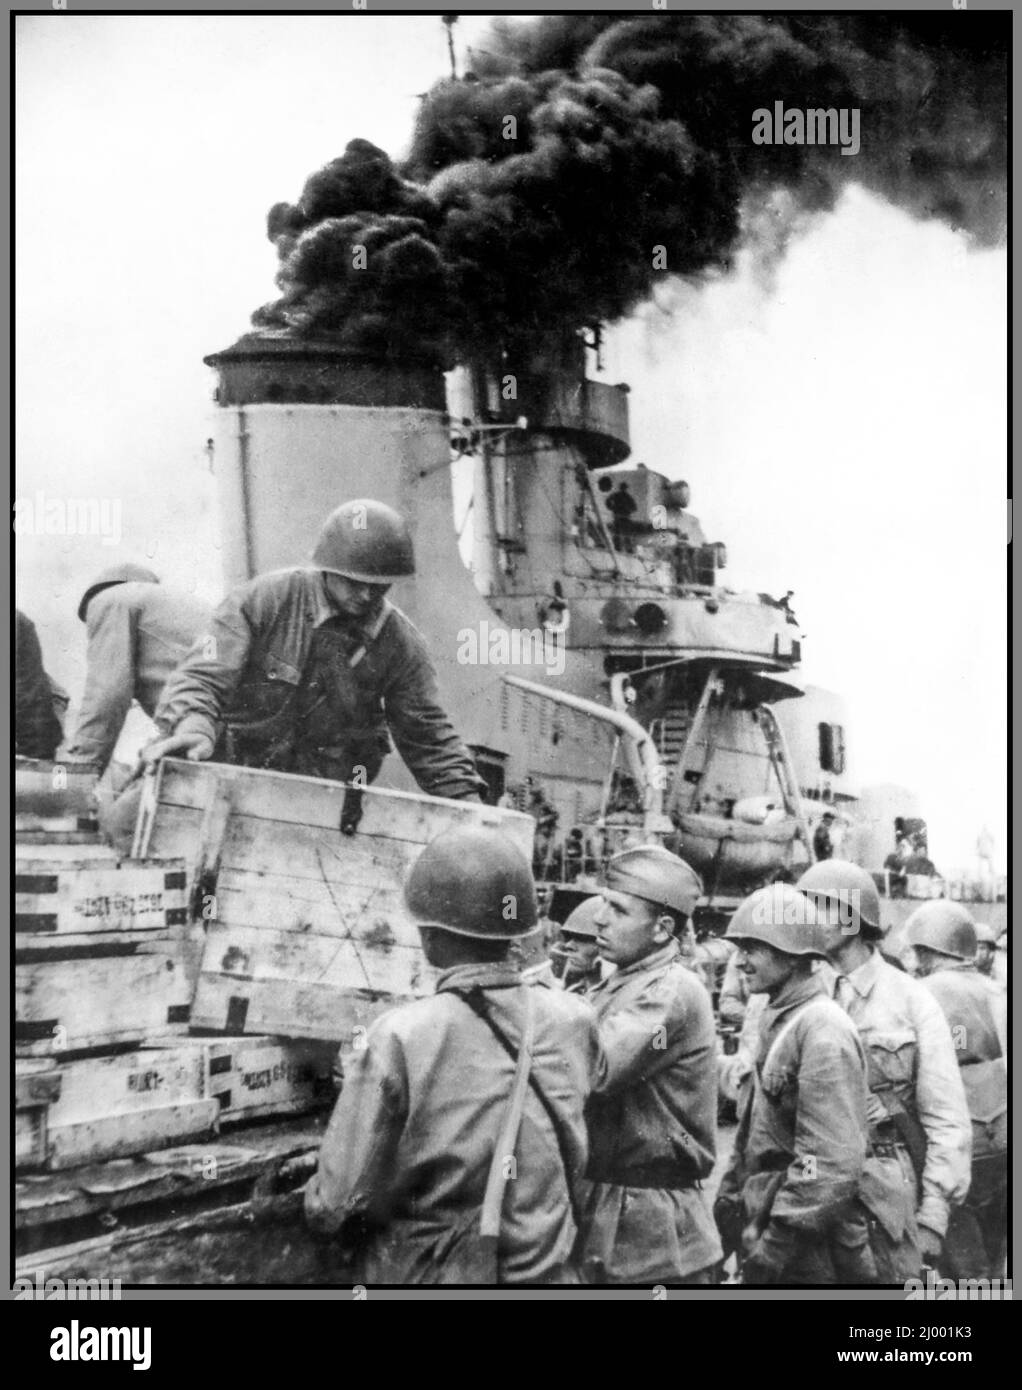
(496, 1183)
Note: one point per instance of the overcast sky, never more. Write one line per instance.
(841, 422)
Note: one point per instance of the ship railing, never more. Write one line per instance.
(920, 887)
(558, 862)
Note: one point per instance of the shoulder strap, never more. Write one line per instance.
(474, 998)
(496, 1183)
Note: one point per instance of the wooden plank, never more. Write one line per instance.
(129, 1082)
(64, 1005)
(152, 780)
(67, 900)
(107, 1107)
(53, 790)
(177, 1175)
(37, 1081)
(212, 832)
(314, 802)
(86, 856)
(372, 913)
(246, 953)
(296, 1008)
(132, 1132)
(253, 1077)
(258, 851)
(260, 1242)
(36, 834)
(67, 830)
(30, 1148)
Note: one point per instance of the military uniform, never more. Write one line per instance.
(801, 1143)
(287, 684)
(137, 635)
(976, 1241)
(652, 1128)
(916, 1102)
(37, 731)
(405, 1157)
(734, 994)
(544, 974)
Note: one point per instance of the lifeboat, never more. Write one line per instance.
(732, 855)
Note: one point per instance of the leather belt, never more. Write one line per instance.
(651, 1176)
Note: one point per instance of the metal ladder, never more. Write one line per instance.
(780, 758)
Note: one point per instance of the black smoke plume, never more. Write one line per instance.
(539, 186)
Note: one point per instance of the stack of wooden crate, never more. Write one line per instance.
(100, 950)
(106, 958)
(209, 979)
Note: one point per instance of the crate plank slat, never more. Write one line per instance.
(72, 900)
(373, 913)
(313, 802)
(65, 1005)
(103, 1107)
(251, 1077)
(300, 984)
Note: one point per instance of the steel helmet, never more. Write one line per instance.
(985, 936)
(472, 881)
(582, 919)
(117, 574)
(365, 541)
(845, 895)
(944, 927)
(655, 874)
(779, 916)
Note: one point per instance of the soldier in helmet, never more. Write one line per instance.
(785, 1205)
(138, 630)
(987, 947)
(917, 1169)
(943, 937)
(425, 1158)
(579, 954)
(306, 670)
(653, 1119)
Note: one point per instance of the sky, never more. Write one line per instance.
(840, 413)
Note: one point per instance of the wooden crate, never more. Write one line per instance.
(36, 1084)
(113, 1107)
(251, 1077)
(67, 1001)
(68, 899)
(53, 797)
(308, 935)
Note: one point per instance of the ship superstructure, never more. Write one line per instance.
(591, 653)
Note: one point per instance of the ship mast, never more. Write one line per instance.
(449, 21)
